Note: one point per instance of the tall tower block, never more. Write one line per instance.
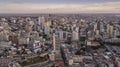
(54, 42)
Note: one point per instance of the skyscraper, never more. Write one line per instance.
(47, 27)
(54, 42)
(111, 30)
(41, 21)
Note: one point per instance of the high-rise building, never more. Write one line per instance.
(60, 35)
(54, 42)
(82, 37)
(97, 32)
(47, 27)
(95, 26)
(111, 30)
(41, 21)
(75, 33)
(108, 27)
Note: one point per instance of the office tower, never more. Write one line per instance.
(97, 32)
(82, 37)
(75, 34)
(111, 30)
(101, 27)
(108, 27)
(62, 35)
(28, 39)
(98, 25)
(47, 27)
(54, 42)
(41, 21)
(95, 26)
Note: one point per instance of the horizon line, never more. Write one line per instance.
(69, 13)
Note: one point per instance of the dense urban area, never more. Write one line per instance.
(60, 40)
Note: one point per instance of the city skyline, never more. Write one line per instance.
(53, 6)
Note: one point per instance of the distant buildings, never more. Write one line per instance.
(65, 40)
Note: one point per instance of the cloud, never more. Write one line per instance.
(57, 1)
(111, 7)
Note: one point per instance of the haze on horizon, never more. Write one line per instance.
(59, 6)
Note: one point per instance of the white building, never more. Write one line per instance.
(47, 27)
(41, 21)
(36, 44)
(54, 42)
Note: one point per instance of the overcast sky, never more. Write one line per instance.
(59, 6)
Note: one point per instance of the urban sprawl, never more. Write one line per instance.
(53, 40)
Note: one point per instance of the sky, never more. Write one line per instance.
(59, 6)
